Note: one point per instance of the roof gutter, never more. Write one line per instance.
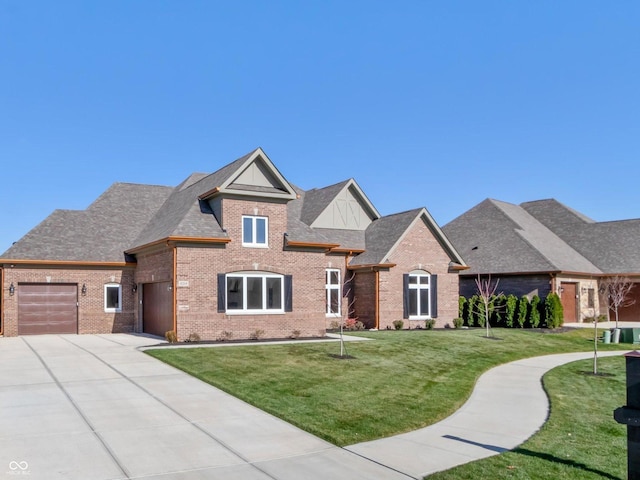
(173, 239)
(373, 266)
(12, 262)
(324, 246)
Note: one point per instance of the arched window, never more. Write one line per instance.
(420, 295)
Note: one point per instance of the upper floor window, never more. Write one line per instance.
(332, 287)
(255, 231)
(112, 297)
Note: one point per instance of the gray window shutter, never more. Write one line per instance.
(222, 293)
(288, 293)
(434, 296)
(405, 295)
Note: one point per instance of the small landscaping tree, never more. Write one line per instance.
(523, 311)
(486, 294)
(617, 290)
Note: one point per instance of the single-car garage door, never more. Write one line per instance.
(157, 308)
(47, 308)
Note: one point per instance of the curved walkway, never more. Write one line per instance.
(94, 406)
(508, 405)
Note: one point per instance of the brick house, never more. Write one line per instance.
(232, 254)
(544, 246)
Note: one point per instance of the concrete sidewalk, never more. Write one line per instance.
(95, 407)
(507, 406)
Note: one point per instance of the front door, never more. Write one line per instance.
(157, 308)
(569, 299)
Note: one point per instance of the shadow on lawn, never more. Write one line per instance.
(531, 453)
(564, 461)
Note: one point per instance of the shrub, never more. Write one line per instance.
(510, 310)
(462, 303)
(224, 336)
(523, 311)
(497, 309)
(534, 315)
(553, 313)
(171, 336)
(256, 334)
(295, 334)
(472, 311)
(398, 324)
(359, 325)
(334, 325)
(457, 323)
(194, 337)
(429, 324)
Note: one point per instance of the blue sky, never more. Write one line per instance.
(436, 104)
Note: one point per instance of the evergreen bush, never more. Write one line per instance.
(523, 311)
(510, 310)
(534, 314)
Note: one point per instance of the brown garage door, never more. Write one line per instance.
(157, 308)
(47, 308)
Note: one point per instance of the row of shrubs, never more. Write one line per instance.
(512, 312)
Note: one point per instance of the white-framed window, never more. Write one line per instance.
(255, 231)
(332, 287)
(254, 293)
(113, 297)
(419, 293)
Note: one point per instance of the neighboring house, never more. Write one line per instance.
(544, 246)
(234, 254)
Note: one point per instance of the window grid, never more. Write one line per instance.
(254, 293)
(255, 231)
(332, 287)
(419, 296)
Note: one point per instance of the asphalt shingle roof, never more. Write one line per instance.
(101, 233)
(542, 236)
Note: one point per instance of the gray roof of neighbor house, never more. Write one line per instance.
(128, 217)
(613, 246)
(542, 236)
(101, 233)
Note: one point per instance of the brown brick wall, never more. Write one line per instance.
(197, 309)
(91, 315)
(418, 250)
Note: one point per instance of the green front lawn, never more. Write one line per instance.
(400, 382)
(580, 441)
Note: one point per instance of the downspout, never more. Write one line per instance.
(377, 299)
(174, 283)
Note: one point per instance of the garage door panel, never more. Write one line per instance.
(47, 308)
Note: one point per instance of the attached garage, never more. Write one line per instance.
(157, 308)
(47, 308)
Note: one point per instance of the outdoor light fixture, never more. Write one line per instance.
(84, 289)
(134, 288)
(12, 289)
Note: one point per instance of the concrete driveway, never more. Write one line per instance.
(94, 407)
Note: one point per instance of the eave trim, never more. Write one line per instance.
(171, 239)
(66, 262)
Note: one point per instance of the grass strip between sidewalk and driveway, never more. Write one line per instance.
(580, 441)
(401, 381)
